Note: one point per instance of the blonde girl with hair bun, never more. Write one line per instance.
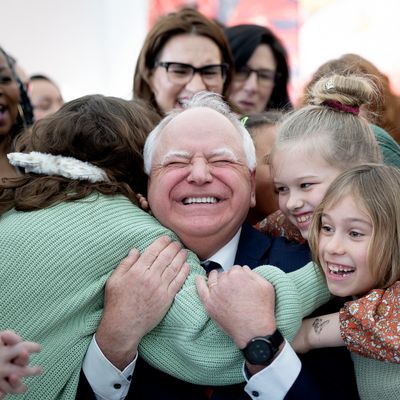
(317, 143)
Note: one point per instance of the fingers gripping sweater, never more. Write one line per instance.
(54, 263)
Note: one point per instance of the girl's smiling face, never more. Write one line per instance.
(344, 239)
(301, 180)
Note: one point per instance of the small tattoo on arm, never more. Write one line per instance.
(318, 324)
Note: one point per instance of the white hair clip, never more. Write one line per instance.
(329, 85)
(48, 164)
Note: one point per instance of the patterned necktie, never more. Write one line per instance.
(210, 265)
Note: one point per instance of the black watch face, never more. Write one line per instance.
(259, 352)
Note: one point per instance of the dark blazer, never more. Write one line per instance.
(254, 249)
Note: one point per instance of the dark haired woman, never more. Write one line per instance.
(184, 53)
(261, 69)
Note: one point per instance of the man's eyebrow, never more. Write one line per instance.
(174, 154)
(223, 151)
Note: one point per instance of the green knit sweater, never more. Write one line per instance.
(54, 263)
(376, 379)
(390, 149)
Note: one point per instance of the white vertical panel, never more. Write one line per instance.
(86, 46)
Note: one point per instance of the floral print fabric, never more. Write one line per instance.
(370, 326)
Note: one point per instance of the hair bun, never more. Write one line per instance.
(343, 92)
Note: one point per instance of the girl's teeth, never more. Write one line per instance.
(340, 270)
(304, 218)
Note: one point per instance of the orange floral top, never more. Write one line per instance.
(276, 224)
(370, 326)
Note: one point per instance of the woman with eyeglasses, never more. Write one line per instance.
(261, 70)
(184, 53)
(15, 111)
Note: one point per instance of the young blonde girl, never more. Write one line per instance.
(355, 240)
(317, 143)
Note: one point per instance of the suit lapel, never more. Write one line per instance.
(253, 247)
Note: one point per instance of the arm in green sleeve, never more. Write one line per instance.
(191, 347)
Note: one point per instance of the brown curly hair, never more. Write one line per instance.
(106, 131)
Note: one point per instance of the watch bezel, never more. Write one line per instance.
(253, 353)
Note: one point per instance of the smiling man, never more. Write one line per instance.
(201, 182)
(201, 166)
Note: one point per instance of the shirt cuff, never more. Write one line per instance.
(106, 381)
(273, 382)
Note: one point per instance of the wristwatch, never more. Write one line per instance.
(261, 350)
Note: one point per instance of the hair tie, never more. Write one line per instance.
(337, 105)
(48, 164)
(243, 120)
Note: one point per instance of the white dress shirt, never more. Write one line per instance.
(271, 383)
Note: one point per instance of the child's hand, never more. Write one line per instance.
(14, 360)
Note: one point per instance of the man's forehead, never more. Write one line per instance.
(201, 118)
(199, 129)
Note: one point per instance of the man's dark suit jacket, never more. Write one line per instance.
(254, 249)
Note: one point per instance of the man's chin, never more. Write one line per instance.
(198, 230)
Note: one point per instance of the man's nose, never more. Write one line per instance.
(199, 172)
(196, 84)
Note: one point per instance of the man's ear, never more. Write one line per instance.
(253, 188)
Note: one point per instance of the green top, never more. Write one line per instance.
(389, 147)
(376, 379)
(54, 263)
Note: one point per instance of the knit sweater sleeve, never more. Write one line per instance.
(191, 347)
(54, 264)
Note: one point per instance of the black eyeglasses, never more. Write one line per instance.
(181, 74)
(265, 77)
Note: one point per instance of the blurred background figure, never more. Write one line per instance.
(15, 111)
(266, 215)
(384, 111)
(263, 129)
(261, 69)
(45, 96)
(21, 73)
(184, 53)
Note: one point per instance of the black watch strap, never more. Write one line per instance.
(261, 350)
(276, 339)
